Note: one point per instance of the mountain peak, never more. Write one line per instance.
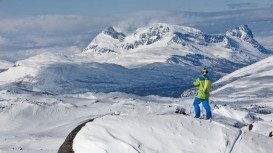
(160, 26)
(169, 28)
(155, 30)
(114, 34)
(109, 30)
(242, 31)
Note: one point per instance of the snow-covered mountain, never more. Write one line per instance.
(162, 41)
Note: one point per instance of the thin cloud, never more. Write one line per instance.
(44, 23)
(51, 33)
(214, 22)
(242, 5)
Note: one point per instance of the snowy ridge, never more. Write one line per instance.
(237, 45)
(161, 133)
(245, 34)
(254, 80)
(59, 74)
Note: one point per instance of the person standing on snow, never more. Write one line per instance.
(203, 84)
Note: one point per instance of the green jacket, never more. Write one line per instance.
(204, 85)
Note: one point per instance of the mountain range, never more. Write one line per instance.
(162, 41)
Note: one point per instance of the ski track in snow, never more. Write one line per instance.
(235, 141)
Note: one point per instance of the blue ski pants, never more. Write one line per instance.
(205, 104)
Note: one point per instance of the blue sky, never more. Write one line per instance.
(106, 7)
(29, 27)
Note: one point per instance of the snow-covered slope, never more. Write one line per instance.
(249, 89)
(37, 122)
(254, 81)
(162, 41)
(58, 74)
(166, 133)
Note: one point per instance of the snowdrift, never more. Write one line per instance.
(161, 134)
(166, 133)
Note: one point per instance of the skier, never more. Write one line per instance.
(202, 96)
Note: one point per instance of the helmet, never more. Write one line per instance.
(204, 71)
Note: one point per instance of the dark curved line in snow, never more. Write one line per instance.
(67, 146)
(236, 140)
